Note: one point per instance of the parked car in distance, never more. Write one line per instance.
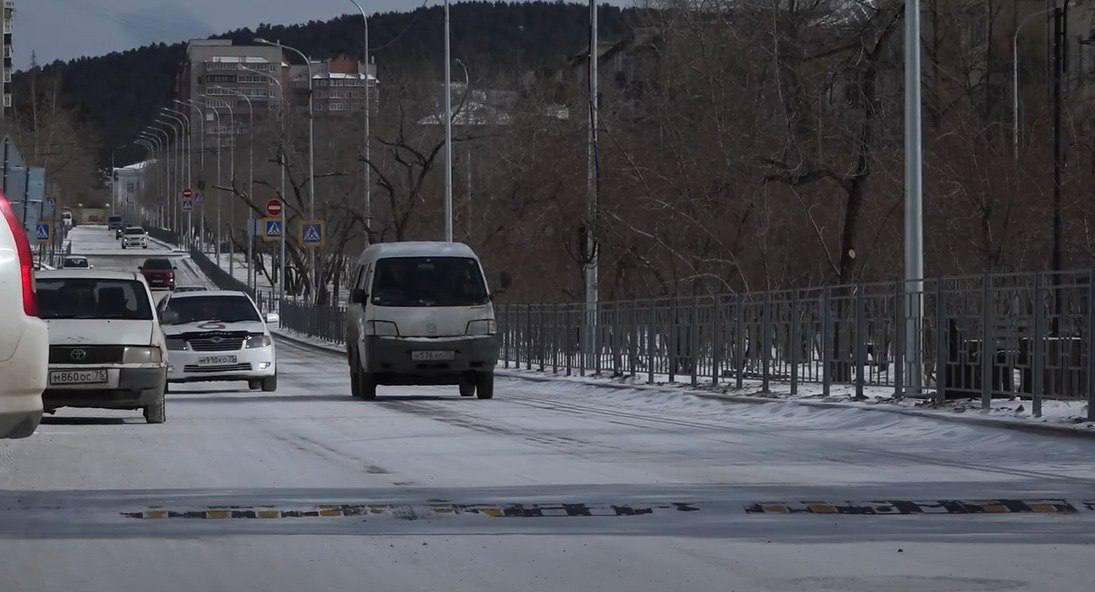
(115, 223)
(181, 289)
(76, 262)
(66, 218)
(24, 340)
(218, 336)
(106, 347)
(134, 237)
(159, 273)
(421, 313)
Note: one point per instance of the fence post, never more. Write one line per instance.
(566, 340)
(1036, 349)
(716, 339)
(860, 341)
(528, 337)
(633, 343)
(505, 336)
(826, 341)
(765, 341)
(693, 340)
(987, 354)
(1090, 351)
(541, 333)
(795, 344)
(941, 353)
(739, 337)
(598, 329)
(899, 340)
(650, 342)
(583, 341)
(673, 342)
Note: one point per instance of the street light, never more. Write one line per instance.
(1015, 78)
(201, 131)
(448, 126)
(281, 158)
(232, 202)
(165, 213)
(368, 170)
(114, 178)
(914, 212)
(251, 184)
(311, 148)
(220, 129)
(184, 122)
(176, 188)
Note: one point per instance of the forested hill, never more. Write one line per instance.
(116, 94)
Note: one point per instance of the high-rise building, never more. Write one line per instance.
(7, 24)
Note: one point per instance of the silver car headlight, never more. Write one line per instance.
(482, 327)
(142, 355)
(257, 341)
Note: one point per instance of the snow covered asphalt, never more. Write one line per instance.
(550, 486)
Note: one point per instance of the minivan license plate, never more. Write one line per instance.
(78, 377)
(433, 356)
(216, 360)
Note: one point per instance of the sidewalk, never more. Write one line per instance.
(1059, 418)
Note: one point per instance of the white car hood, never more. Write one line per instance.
(204, 326)
(99, 332)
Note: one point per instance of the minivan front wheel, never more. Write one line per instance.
(484, 385)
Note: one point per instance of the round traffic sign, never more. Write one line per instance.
(188, 192)
(273, 208)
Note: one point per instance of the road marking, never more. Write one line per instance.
(412, 512)
(904, 507)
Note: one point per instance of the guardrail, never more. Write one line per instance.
(918, 339)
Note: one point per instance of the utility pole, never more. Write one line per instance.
(1060, 66)
(592, 255)
(914, 211)
(368, 206)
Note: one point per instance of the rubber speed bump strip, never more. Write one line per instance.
(906, 507)
(410, 512)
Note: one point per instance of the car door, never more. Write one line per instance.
(356, 310)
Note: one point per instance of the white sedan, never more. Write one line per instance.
(218, 336)
(134, 237)
(24, 343)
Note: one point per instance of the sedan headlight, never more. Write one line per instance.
(381, 328)
(257, 341)
(482, 327)
(142, 355)
(176, 344)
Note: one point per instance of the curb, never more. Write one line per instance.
(1003, 423)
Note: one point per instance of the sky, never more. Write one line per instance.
(66, 29)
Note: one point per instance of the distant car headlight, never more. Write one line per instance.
(176, 344)
(257, 341)
(482, 327)
(381, 328)
(142, 355)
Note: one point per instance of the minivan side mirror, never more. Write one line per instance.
(359, 296)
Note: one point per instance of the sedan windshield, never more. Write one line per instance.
(156, 264)
(225, 309)
(429, 281)
(92, 298)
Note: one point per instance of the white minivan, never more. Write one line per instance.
(421, 313)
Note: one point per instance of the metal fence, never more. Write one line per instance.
(918, 339)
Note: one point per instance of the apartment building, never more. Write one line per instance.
(338, 84)
(7, 24)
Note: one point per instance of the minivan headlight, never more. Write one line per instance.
(482, 327)
(142, 355)
(381, 328)
(257, 341)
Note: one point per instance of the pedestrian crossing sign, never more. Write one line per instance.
(42, 232)
(271, 229)
(187, 205)
(312, 233)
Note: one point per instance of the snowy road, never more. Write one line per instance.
(550, 486)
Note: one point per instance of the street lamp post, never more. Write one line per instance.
(368, 206)
(232, 180)
(251, 183)
(184, 121)
(154, 139)
(114, 178)
(179, 168)
(281, 157)
(914, 221)
(448, 125)
(311, 150)
(220, 130)
(201, 159)
(168, 173)
(1015, 88)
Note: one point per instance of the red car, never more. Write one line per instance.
(159, 273)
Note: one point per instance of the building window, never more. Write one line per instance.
(338, 107)
(220, 78)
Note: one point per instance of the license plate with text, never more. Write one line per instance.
(216, 360)
(433, 356)
(78, 377)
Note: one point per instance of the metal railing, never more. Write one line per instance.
(918, 339)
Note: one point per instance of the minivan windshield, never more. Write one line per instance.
(196, 309)
(92, 298)
(428, 281)
(134, 230)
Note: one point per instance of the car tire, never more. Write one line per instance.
(366, 386)
(467, 388)
(254, 384)
(157, 412)
(484, 385)
(355, 378)
(123, 245)
(270, 383)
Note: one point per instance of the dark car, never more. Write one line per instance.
(159, 273)
(115, 223)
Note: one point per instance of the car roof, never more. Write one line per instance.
(207, 293)
(87, 273)
(68, 257)
(418, 249)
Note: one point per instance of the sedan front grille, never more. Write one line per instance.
(206, 344)
(196, 369)
(86, 354)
